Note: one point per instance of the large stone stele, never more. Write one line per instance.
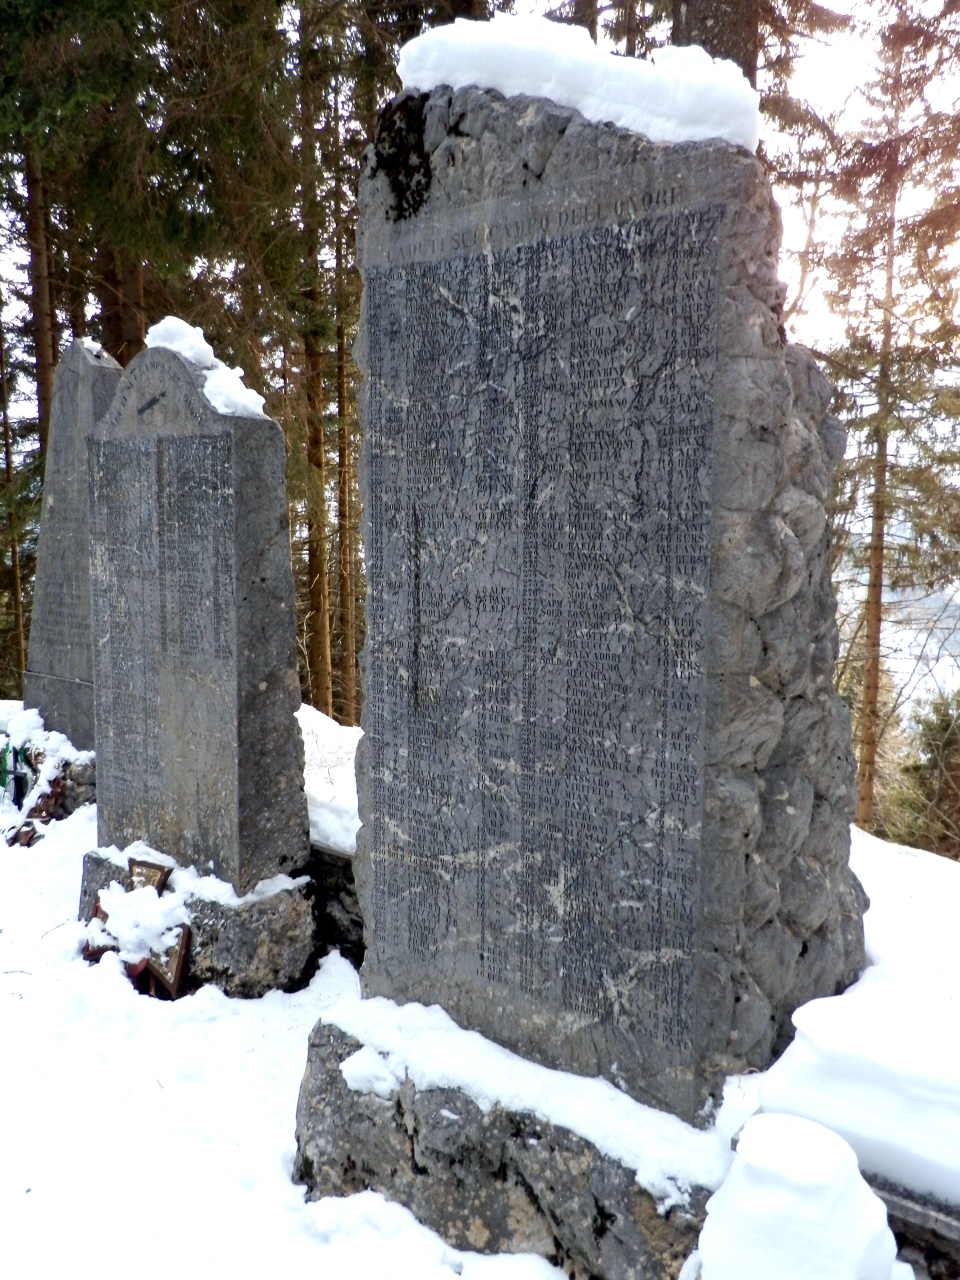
(198, 751)
(605, 780)
(59, 675)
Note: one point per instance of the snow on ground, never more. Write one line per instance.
(679, 95)
(795, 1207)
(881, 1063)
(329, 749)
(144, 1137)
(223, 386)
(115, 1109)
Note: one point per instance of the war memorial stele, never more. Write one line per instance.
(598, 667)
(59, 675)
(198, 751)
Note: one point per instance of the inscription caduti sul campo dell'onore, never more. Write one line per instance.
(540, 419)
(502, 228)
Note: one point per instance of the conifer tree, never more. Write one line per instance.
(895, 286)
(925, 812)
(725, 28)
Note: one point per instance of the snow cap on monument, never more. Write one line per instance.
(222, 386)
(679, 94)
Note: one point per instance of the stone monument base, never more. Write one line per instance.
(335, 905)
(245, 950)
(500, 1182)
(927, 1229)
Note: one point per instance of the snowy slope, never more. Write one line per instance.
(148, 1138)
(881, 1063)
(110, 1102)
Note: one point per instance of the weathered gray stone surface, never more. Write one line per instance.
(59, 675)
(198, 752)
(244, 950)
(500, 1182)
(605, 780)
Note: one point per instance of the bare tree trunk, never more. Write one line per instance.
(76, 303)
(725, 28)
(630, 28)
(585, 15)
(44, 351)
(110, 297)
(319, 660)
(78, 265)
(134, 326)
(318, 639)
(56, 329)
(348, 626)
(120, 293)
(870, 696)
(11, 518)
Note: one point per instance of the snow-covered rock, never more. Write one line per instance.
(492, 1176)
(245, 946)
(666, 1155)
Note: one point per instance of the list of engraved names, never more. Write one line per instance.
(540, 420)
(162, 588)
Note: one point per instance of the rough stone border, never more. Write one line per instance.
(497, 1182)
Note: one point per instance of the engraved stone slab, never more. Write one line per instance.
(59, 676)
(195, 660)
(576, 405)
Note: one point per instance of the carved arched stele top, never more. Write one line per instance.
(193, 606)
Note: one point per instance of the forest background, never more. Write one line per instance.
(202, 159)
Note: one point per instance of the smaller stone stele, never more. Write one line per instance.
(497, 1181)
(195, 661)
(59, 675)
(246, 949)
